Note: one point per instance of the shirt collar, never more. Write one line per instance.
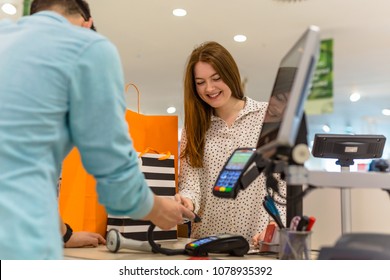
(249, 107)
(51, 16)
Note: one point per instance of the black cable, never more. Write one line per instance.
(293, 198)
(271, 182)
(272, 185)
(158, 249)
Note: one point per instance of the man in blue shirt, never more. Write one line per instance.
(61, 85)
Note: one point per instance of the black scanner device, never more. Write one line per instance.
(235, 245)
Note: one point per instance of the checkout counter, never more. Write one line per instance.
(102, 253)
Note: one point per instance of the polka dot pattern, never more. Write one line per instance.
(244, 215)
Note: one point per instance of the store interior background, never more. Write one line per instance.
(154, 46)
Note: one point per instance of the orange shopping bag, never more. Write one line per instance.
(78, 200)
(157, 132)
(156, 141)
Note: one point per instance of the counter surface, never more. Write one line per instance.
(102, 253)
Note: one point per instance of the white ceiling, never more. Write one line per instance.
(154, 46)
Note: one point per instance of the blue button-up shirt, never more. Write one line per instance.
(60, 86)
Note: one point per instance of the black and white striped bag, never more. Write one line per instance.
(159, 171)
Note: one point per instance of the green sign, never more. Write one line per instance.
(26, 7)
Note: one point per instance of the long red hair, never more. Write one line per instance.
(197, 113)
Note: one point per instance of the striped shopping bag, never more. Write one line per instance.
(159, 171)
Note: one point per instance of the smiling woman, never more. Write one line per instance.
(218, 119)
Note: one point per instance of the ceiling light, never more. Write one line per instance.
(9, 9)
(386, 112)
(171, 110)
(240, 38)
(326, 128)
(354, 97)
(179, 12)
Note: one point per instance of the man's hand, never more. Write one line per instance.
(167, 213)
(186, 202)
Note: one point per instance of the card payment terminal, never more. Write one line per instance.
(235, 245)
(228, 182)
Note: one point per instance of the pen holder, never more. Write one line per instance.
(294, 245)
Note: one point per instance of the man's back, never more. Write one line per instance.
(43, 112)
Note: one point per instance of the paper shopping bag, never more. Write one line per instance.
(159, 132)
(159, 173)
(78, 200)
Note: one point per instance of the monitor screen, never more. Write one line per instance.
(290, 90)
(239, 159)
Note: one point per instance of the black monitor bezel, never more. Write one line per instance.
(286, 135)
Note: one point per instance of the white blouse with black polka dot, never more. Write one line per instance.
(244, 215)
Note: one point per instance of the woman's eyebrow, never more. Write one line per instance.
(215, 74)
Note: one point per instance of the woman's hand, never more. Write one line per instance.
(84, 239)
(258, 237)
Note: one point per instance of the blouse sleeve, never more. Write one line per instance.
(189, 179)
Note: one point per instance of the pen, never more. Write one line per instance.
(303, 222)
(294, 222)
(311, 222)
(271, 209)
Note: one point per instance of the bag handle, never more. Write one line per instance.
(138, 93)
(151, 150)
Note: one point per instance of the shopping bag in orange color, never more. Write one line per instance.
(158, 132)
(78, 200)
